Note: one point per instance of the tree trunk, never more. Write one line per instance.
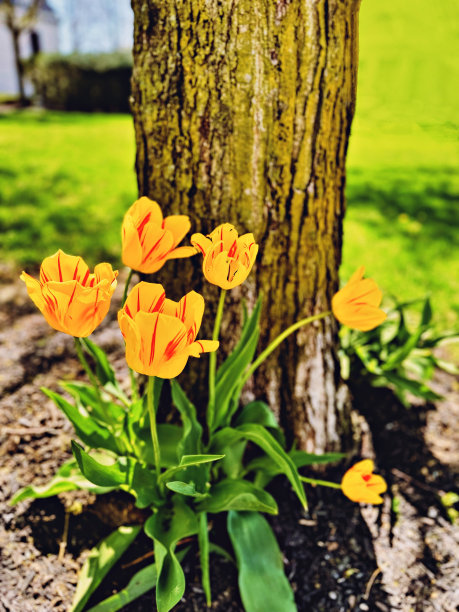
(242, 111)
(15, 33)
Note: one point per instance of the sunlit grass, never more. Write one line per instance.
(403, 179)
(65, 181)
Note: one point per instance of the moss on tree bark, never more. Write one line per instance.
(242, 112)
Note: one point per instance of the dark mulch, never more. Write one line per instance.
(338, 557)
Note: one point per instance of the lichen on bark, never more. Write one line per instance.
(242, 112)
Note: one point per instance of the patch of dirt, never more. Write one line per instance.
(417, 451)
(338, 557)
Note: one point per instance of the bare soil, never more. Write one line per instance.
(338, 557)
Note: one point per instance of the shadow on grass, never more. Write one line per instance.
(424, 202)
(38, 222)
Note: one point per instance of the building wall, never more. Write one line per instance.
(46, 27)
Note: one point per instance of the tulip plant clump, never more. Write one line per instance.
(184, 473)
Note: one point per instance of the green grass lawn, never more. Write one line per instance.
(66, 180)
(63, 177)
(403, 162)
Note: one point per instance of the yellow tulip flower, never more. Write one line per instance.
(357, 303)
(228, 258)
(70, 298)
(160, 334)
(149, 240)
(361, 485)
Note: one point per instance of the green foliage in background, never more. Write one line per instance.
(82, 82)
(397, 355)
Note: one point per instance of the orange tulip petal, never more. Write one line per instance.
(132, 249)
(181, 252)
(359, 483)
(362, 467)
(70, 298)
(145, 211)
(201, 243)
(173, 367)
(132, 339)
(356, 304)
(203, 346)
(145, 297)
(163, 339)
(357, 276)
(149, 239)
(178, 226)
(159, 332)
(34, 290)
(216, 266)
(246, 240)
(104, 272)
(224, 271)
(190, 310)
(225, 233)
(228, 258)
(156, 245)
(363, 318)
(74, 309)
(366, 291)
(62, 267)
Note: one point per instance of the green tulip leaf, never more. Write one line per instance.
(98, 563)
(257, 412)
(192, 429)
(261, 436)
(232, 494)
(262, 582)
(166, 528)
(91, 432)
(67, 478)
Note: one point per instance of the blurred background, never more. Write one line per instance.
(67, 158)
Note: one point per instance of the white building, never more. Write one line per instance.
(42, 36)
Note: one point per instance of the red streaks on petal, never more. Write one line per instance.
(73, 294)
(232, 250)
(76, 269)
(59, 266)
(141, 226)
(85, 279)
(153, 340)
(153, 249)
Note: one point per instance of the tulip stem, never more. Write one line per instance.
(275, 343)
(213, 360)
(154, 433)
(323, 483)
(203, 539)
(95, 382)
(134, 388)
(126, 287)
(85, 364)
(135, 395)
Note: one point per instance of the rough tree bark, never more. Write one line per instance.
(242, 111)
